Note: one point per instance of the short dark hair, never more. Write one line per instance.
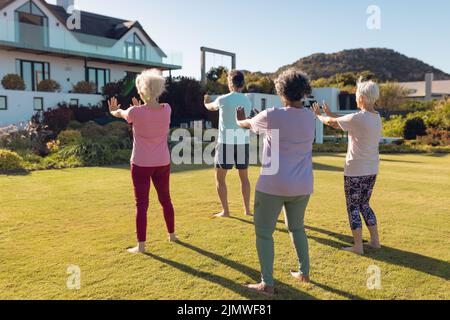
(237, 78)
(293, 85)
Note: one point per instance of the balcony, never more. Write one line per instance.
(58, 41)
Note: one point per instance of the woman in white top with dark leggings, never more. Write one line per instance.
(363, 160)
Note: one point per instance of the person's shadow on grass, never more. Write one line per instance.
(411, 260)
(285, 291)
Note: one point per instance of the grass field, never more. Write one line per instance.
(85, 217)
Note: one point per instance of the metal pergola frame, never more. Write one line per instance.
(204, 50)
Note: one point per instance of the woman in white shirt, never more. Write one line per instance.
(363, 160)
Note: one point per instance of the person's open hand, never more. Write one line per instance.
(207, 99)
(326, 109)
(135, 102)
(113, 105)
(316, 109)
(240, 114)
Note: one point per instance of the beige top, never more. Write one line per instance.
(364, 131)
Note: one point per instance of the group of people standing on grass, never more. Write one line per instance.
(289, 131)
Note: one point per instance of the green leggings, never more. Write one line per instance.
(267, 211)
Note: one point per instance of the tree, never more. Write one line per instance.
(392, 96)
(185, 95)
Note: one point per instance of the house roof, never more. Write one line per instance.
(418, 89)
(95, 25)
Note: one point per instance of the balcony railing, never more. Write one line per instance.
(58, 39)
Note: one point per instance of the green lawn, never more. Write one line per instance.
(52, 219)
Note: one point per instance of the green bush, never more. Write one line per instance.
(93, 131)
(74, 125)
(10, 161)
(70, 137)
(414, 128)
(16, 141)
(90, 153)
(49, 86)
(13, 82)
(394, 127)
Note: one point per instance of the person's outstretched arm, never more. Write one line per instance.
(328, 112)
(116, 111)
(326, 120)
(209, 104)
(241, 118)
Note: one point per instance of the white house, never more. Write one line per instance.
(428, 89)
(339, 102)
(40, 41)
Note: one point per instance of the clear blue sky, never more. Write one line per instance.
(268, 34)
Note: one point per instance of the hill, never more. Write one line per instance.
(386, 64)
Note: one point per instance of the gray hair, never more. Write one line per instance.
(151, 84)
(293, 85)
(369, 90)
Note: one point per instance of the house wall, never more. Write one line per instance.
(20, 103)
(62, 38)
(65, 71)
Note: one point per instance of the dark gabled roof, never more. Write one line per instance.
(95, 25)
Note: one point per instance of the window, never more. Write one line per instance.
(263, 104)
(134, 48)
(38, 104)
(74, 103)
(98, 76)
(31, 25)
(3, 103)
(32, 72)
(347, 102)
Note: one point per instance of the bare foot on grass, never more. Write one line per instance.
(139, 249)
(373, 245)
(261, 288)
(221, 215)
(302, 278)
(173, 237)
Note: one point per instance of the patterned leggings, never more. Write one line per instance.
(358, 191)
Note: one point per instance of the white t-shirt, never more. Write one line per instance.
(364, 134)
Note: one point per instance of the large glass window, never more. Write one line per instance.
(134, 48)
(32, 72)
(98, 76)
(31, 25)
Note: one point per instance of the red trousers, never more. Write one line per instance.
(142, 177)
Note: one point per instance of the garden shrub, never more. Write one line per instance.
(84, 87)
(16, 141)
(49, 86)
(93, 131)
(394, 127)
(70, 137)
(13, 82)
(90, 153)
(57, 119)
(414, 128)
(74, 125)
(10, 161)
(118, 129)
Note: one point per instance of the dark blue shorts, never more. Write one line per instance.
(229, 156)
